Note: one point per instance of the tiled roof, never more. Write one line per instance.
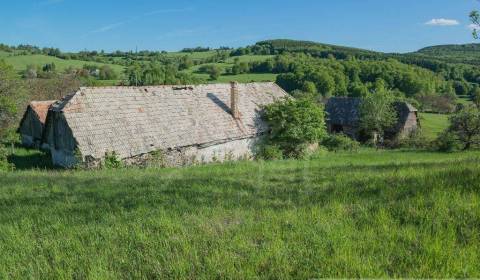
(138, 120)
(343, 111)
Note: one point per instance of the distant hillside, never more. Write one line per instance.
(466, 53)
(20, 62)
(466, 49)
(286, 44)
(280, 46)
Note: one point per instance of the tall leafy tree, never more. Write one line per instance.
(475, 18)
(294, 124)
(377, 113)
(465, 125)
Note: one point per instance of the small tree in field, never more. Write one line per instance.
(377, 114)
(4, 164)
(465, 125)
(475, 18)
(294, 124)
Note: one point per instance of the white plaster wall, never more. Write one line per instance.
(233, 150)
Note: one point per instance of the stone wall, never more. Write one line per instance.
(410, 125)
(242, 149)
(228, 151)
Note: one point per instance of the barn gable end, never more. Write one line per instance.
(33, 122)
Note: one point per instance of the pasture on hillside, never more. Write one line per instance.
(433, 124)
(20, 62)
(366, 214)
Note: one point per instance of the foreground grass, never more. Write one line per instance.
(371, 214)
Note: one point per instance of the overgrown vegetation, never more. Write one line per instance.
(340, 142)
(11, 95)
(5, 165)
(295, 125)
(465, 126)
(370, 214)
(377, 114)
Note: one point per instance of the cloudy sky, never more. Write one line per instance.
(383, 25)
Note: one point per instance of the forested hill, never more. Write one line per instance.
(466, 53)
(465, 49)
(280, 46)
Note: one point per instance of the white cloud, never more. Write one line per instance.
(442, 22)
(473, 27)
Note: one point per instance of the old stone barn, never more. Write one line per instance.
(343, 117)
(32, 123)
(189, 124)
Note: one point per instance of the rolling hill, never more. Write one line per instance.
(20, 62)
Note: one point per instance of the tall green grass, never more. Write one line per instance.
(371, 214)
(433, 124)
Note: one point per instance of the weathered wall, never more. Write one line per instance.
(228, 151)
(63, 158)
(233, 150)
(410, 125)
(27, 140)
(59, 138)
(31, 129)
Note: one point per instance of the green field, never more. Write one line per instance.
(193, 55)
(370, 214)
(433, 124)
(245, 78)
(20, 62)
(249, 58)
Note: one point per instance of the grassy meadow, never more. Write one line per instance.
(433, 124)
(20, 62)
(367, 214)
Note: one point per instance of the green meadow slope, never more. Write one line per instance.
(20, 62)
(370, 214)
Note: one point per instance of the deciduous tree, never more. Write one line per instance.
(465, 125)
(377, 114)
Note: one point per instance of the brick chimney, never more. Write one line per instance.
(234, 100)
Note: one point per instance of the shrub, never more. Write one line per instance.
(107, 73)
(270, 152)
(212, 69)
(340, 142)
(112, 161)
(414, 140)
(465, 125)
(446, 142)
(294, 124)
(4, 164)
(377, 113)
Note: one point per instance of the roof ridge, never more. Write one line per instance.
(169, 85)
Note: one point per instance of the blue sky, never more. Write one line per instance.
(383, 25)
